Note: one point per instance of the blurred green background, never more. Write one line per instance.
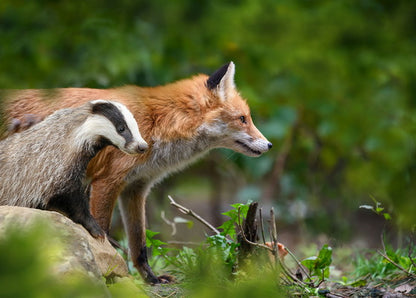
(331, 83)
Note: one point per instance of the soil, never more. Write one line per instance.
(401, 287)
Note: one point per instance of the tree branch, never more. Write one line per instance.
(189, 212)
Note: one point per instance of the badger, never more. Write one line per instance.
(45, 166)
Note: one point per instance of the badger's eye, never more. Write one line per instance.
(243, 119)
(121, 128)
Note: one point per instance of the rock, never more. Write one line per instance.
(78, 250)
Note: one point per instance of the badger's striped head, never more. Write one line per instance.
(114, 123)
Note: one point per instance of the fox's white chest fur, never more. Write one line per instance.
(171, 156)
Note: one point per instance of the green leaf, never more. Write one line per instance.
(309, 263)
(386, 216)
(319, 266)
(156, 244)
(324, 258)
(239, 211)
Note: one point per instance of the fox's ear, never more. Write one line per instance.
(221, 82)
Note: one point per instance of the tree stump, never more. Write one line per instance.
(250, 231)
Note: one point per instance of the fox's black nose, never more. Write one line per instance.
(270, 145)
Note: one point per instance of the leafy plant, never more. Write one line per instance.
(378, 267)
(377, 208)
(158, 246)
(236, 215)
(226, 242)
(318, 266)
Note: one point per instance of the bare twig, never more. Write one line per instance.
(262, 226)
(409, 254)
(273, 227)
(184, 243)
(298, 263)
(189, 212)
(289, 274)
(384, 255)
(254, 243)
(273, 235)
(244, 235)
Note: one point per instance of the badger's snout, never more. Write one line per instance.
(142, 147)
(136, 147)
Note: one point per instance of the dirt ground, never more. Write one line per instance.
(401, 287)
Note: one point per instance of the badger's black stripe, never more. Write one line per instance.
(112, 113)
(216, 77)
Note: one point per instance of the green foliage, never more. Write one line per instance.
(236, 215)
(27, 267)
(209, 269)
(125, 287)
(223, 246)
(226, 242)
(377, 267)
(318, 266)
(156, 244)
(378, 209)
(206, 275)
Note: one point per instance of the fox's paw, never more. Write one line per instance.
(166, 279)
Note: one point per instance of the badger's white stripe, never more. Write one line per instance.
(131, 122)
(98, 125)
(95, 127)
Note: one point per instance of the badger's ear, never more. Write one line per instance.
(221, 82)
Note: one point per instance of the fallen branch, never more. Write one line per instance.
(298, 263)
(189, 212)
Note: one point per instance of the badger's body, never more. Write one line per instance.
(44, 167)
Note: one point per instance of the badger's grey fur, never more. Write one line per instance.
(45, 166)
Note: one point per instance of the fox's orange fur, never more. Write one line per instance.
(180, 122)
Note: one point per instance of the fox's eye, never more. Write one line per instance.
(243, 119)
(121, 128)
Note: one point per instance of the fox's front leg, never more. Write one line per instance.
(107, 183)
(102, 209)
(133, 206)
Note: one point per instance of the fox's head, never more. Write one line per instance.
(230, 118)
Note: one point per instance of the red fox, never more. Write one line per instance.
(180, 121)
